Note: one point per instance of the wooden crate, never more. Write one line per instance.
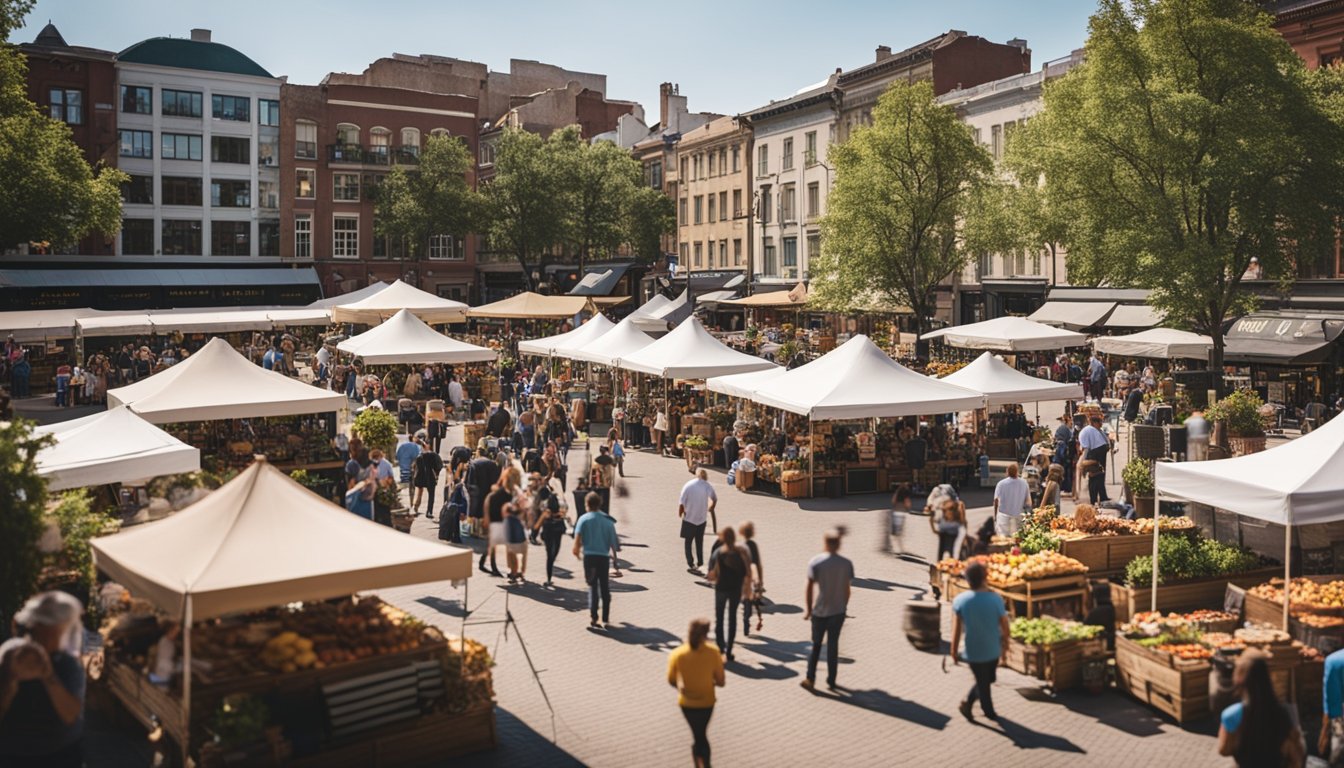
(795, 488)
(1060, 665)
(1183, 596)
(1027, 659)
(1178, 688)
(1093, 551)
(425, 740)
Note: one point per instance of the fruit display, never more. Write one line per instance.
(288, 652)
(1071, 527)
(1048, 630)
(1305, 595)
(952, 565)
(1206, 616)
(1005, 568)
(1187, 651)
(1036, 539)
(1262, 636)
(1321, 622)
(1223, 641)
(1144, 526)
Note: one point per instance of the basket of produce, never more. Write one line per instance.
(1008, 570)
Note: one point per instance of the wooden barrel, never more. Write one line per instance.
(923, 624)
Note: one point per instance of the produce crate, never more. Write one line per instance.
(1178, 688)
(1026, 659)
(1031, 594)
(1186, 595)
(795, 488)
(425, 740)
(744, 480)
(1060, 665)
(1308, 679)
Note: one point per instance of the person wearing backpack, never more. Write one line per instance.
(730, 573)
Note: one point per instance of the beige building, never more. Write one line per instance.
(714, 196)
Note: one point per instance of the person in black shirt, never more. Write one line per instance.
(482, 474)
(746, 534)
(1132, 402)
(551, 528)
(500, 422)
(495, 502)
(730, 571)
(425, 471)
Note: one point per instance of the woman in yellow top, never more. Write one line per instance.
(695, 668)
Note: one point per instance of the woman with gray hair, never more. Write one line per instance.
(42, 680)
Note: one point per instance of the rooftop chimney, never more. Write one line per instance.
(664, 90)
(883, 52)
(1018, 43)
(200, 35)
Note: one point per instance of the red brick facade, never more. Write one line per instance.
(1314, 30)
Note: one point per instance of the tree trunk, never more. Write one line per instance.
(1216, 360)
(527, 276)
(921, 327)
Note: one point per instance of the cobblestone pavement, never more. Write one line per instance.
(612, 705)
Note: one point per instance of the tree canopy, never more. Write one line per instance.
(1188, 143)
(891, 231)
(431, 198)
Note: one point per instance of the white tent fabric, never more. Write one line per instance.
(110, 447)
(1002, 384)
(531, 305)
(569, 340)
(285, 316)
(219, 383)
(623, 340)
(116, 324)
(1009, 334)
(235, 551)
(670, 313)
(744, 385)
(653, 305)
(374, 309)
(39, 324)
(858, 380)
(1133, 316)
(1159, 343)
(349, 298)
(1074, 315)
(689, 352)
(406, 339)
(211, 321)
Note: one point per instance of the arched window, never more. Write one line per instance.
(380, 144)
(348, 134)
(410, 141)
(440, 132)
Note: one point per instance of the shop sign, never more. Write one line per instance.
(1287, 329)
(241, 294)
(867, 443)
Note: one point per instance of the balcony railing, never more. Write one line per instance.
(377, 155)
(408, 154)
(345, 153)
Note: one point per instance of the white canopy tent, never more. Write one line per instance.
(857, 380)
(1298, 483)
(744, 385)
(349, 298)
(671, 311)
(1003, 384)
(1074, 315)
(235, 551)
(111, 447)
(219, 383)
(1159, 343)
(690, 352)
(374, 309)
(591, 330)
(1009, 334)
(406, 339)
(39, 324)
(624, 339)
(115, 324)
(653, 305)
(1132, 316)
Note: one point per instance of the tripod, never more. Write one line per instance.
(507, 621)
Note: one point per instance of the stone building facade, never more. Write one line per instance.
(714, 227)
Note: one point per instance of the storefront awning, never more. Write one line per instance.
(600, 282)
(1133, 316)
(1281, 338)
(1275, 352)
(1074, 315)
(99, 278)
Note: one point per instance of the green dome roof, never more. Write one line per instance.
(191, 54)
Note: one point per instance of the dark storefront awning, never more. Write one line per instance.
(119, 288)
(1073, 315)
(600, 281)
(1274, 338)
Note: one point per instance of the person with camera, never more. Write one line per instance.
(42, 686)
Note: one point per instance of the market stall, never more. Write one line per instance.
(405, 338)
(1009, 334)
(742, 385)
(690, 352)
(378, 307)
(1003, 384)
(1157, 343)
(254, 636)
(794, 298)
(349, 298)
(535, 306)
(591, 330)
(110, 447)
(623, 340)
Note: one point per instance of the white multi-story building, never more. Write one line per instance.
(996, 284)
(791, 178)
(198, 125)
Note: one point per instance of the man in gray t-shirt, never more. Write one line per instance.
(828, 580)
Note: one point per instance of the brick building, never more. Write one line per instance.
(1314, 28)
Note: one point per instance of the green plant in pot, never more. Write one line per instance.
(387, 497)
(1138, 477)
(696, 443)
(376, 428)
(1239, 414)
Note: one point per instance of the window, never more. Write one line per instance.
(268, 112)
(790, 252)
(699, 250)
(137, 143)
(180, 190)
(139, 190)
(1036, 263)
(787, 162)
(230, 238)
(137, 237)
(737, 203)
(231, 194)
(975, 135)
(813, 200)
(737, 252)
(181, 238)
(996, 141)
(268, 194)
(684, 176)
(345, 237)
(1008, 129)
(487, 154)
(303, 236)
(305, 183)
(268, 237)
(685, 258)
(655, 174)
(737, 158)
(230, 149)
(1021, 264)
(181, 146)
(380, 144)
(723, 160)
(723, 253)
(137, 100)
(699, 208)
(771, 268)
(763, 160)
(810, 149)
(448, 248)
(347, 133)
(345, 187)
(712, 204)
(787, 210)
(441, 132)
(236, 108)
(305, 140)
(180, 103)
(410, 140)
(67, 105)
(713, 164)
(765, 205)
(268, 151)
(813, 245)
(682, 214)
(723, 206)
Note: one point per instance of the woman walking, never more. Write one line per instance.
(516, 546)
(950, 526)
(551, 528)
(695, 669)
(1054, 478)
(752, 603)
(617, 449)
(1259, 730)
(730, 573)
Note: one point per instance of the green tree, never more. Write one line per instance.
(431, 198)
(650, 216)
(524, 204)
(1188, 143)
(1010, 219)
(48, 193)
(901, 186)
(598, 182)
(23, 496)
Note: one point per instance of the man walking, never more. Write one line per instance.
(981, 616)
(1096, 376)
(696, 508)
(828, 585)
(1010, 498)
(1197, 437)
(1094, 447)
(596, 544)
(482, 474)
(500, 423)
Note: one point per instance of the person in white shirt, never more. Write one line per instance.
(1094, 446)
(1010, 498)
(696, 509)
(455, 397)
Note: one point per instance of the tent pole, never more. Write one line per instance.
(1157, 515)
(811, 458)
(1287, 561)
(186, 684)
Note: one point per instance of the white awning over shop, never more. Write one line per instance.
(568, 341)
(405, 338)
(1074, 315)
(1002, 384)
(114, 446)
(623, 340)
(374, 309)
(1157, 343)
(1009, 334)
(1133, 316)
(744, 385)
(349, 298)
(690, 352)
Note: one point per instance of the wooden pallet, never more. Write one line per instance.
(1178, 688)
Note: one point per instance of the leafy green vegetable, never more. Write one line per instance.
(1047, 630)
(1181, 559)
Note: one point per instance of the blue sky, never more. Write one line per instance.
(728, 56)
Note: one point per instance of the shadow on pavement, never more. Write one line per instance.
(571, 600)
(783, 608)
(1025, 738)
(884, 703)
(1119, 712)
(446, 607)
(518, 745)
(765, 671)
(653, 638)
(877, 584)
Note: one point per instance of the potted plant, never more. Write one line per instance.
(314, 482)
(697, 451)
(1239, 413)
(390, 498)
(1138, 477)
(376, 428)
